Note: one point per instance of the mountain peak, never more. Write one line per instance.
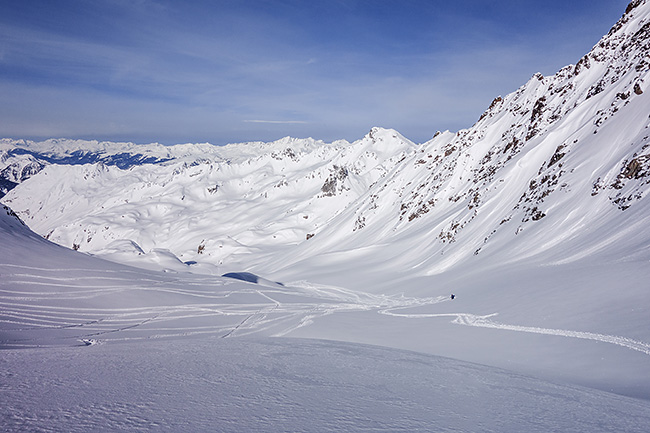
(633, 4)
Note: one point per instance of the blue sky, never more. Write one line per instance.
(237, 70)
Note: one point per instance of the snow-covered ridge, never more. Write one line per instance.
(560, 148)
(16, 154)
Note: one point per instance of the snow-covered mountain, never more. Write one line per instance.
(15, 169)
(21, 159)
(207, 203)
(554, 169)
(536, 218)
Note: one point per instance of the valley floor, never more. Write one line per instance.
(101, 346)
(92, 345)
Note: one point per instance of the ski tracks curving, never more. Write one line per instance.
(39, 305)
(485, 322)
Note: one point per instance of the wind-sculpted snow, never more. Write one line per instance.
(261, 385)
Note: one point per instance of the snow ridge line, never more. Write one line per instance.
(484, 322)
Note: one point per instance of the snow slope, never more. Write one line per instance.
(287, 385)
(52, 295)
(103, 347)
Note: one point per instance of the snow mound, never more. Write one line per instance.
(251, 278)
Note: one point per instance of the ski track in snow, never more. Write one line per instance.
(200, 305)
(485, 322)
(205, 306)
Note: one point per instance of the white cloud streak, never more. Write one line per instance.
(279, 122)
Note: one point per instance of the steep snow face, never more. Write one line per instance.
(553, 173)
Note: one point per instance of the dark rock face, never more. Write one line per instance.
(334, 182)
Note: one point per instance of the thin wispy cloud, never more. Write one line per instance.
(279, 122)
(261, 69)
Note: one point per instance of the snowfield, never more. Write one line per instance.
(307, 286)
(102, 347)
(261, 385)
